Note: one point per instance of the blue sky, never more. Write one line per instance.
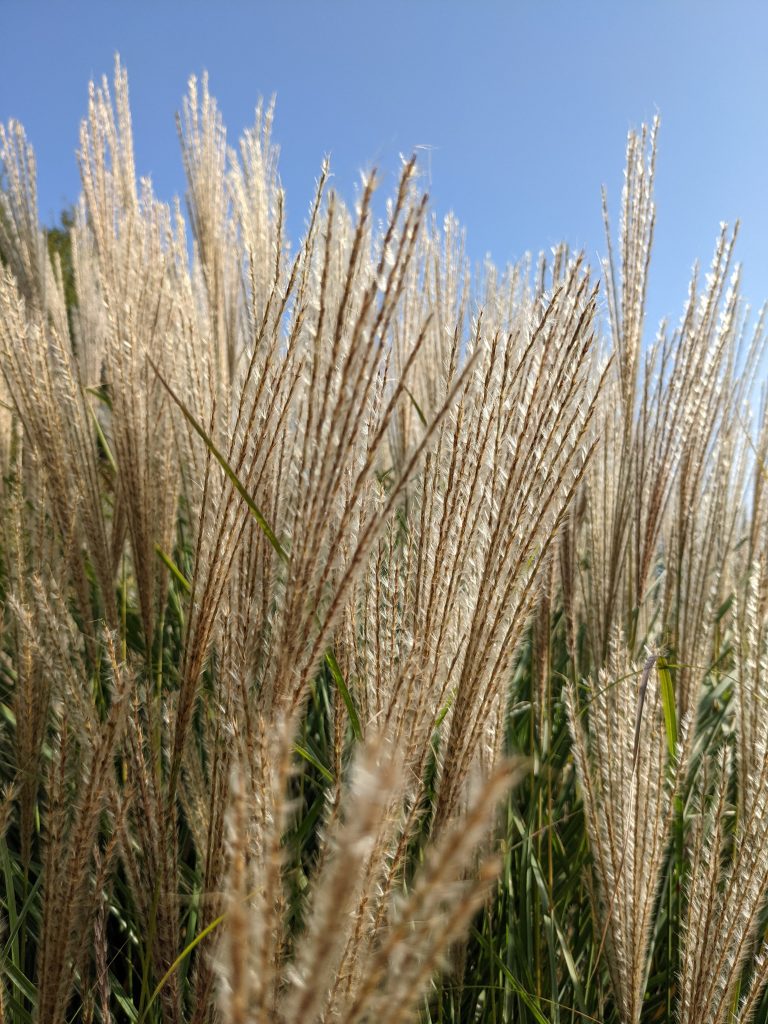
(525, 107)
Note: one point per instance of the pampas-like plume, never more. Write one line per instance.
(350, 964)
(537, 451)
(436, 623)
(42, 378)
(79, 788)
(725, 900)
(627, 784)
(138, 321)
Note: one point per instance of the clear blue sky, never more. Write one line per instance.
(526, 106)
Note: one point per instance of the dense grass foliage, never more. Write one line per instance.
(380, 641)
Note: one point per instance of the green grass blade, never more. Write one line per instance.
(310, 758)
(178, 961)
(557, 934)
(174, 570)
(346, 696)
(256, 512)
(11, 958)
(527, 998)
(20, 981)
(416, 406)
(104, 442)
(123, 1001)
(98, 393)
(18, 1015)
(668, 704)
(20, 918)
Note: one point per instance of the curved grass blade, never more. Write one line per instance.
(175, 571)
(416, 406)
(234, 479)
(179, 960)
(346, 696)
(310, 758)
(668, 704)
